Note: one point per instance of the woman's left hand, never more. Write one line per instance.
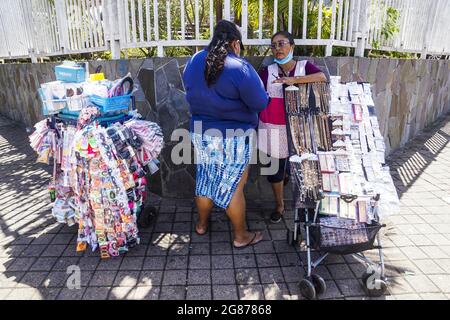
(285, 80)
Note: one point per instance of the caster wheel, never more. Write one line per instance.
(307, 289)
(146, 217)
(319, 284)
(375, 286)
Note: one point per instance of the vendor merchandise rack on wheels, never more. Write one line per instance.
(308, 118)
(146, 213)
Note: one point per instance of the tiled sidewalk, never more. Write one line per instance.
(172, 262)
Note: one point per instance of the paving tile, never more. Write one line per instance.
(283, 247)
(126, 279)
(223, 276)
(102, 278)
(22, 294)
(32, 279)
(350, 287)
(442, 282)
(225, 292)
(150, 278)
(199, 262)
(34, 250)
(199, 248)
(146, 293)
(244, 261)
(276, 291)
(434, 252)
(399, 285)
(54, 250)
(422, 284)
(420, 240)
(410, 296)
(174, 277)
(222, 262)
(199, 293)
(251, 292)
(332, 291)
(221, 248)
(55, 279)
(429, 267)
(247, 276)
(292, 274)
(264, 247)
(413, 253)
(172, 293)
(121, 293)
(96, 293)
(433, 296)
(71, 294)
(110, 264)
(177, 262)
(4, 293)
(65, 262)
(88, 263)
(271, 275)
(340, 271)
(289, 259)
(154, 263)
(47, 293)
(197, 277)
(22, 264)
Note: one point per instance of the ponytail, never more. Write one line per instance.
(225, 32)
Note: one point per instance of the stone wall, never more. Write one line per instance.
(409, 95)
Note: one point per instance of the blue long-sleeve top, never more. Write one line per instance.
(232, 102)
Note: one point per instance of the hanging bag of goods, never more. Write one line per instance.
(100, 175)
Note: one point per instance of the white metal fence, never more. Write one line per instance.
(39, 28)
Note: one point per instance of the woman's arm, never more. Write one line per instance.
(316, 77)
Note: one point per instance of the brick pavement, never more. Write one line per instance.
(172, 262)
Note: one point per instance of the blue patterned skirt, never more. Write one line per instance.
(220, 165)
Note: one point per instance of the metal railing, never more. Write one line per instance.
(40, 28)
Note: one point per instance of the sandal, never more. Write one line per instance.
(276, 216)
(198, 233)
(251, 242)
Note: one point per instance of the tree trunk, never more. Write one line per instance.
(219, 9)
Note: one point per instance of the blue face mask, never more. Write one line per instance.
(288, 58)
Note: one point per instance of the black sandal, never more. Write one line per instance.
(251, 243)
(276, 216)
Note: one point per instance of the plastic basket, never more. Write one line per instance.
(112, 104)
(345, 237)
(51, 106)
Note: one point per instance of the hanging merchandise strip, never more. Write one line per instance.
(99, 178)
(309, 130)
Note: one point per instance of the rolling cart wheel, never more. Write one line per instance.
(319, 284)
(375, 286)
(307, 289)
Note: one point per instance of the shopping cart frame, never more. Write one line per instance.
(312, 285)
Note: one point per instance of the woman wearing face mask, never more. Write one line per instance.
(272, 134)
(225, 94)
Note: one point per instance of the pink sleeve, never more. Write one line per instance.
(311, 68)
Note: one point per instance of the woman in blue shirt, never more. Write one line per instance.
(225, 95)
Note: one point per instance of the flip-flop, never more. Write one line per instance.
(200, 234)
(251, 243)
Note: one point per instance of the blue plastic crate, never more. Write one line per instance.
(112, 104)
